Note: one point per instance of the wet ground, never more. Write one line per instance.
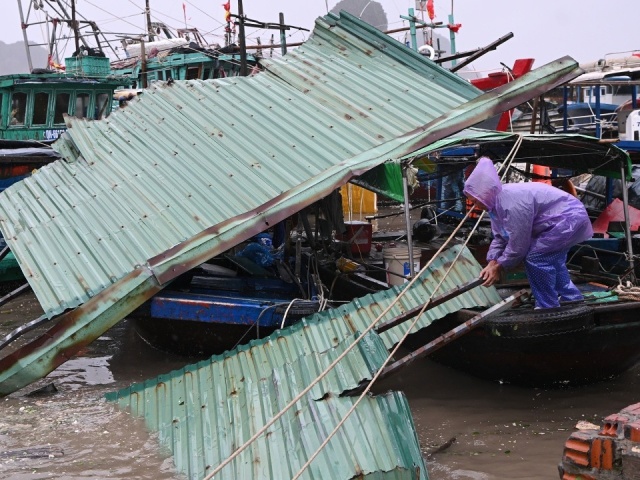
(492, 431)
(468, 428)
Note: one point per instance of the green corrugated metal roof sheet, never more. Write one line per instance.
(204, 410)
(188, 156)
(193, 168)
(208, 410)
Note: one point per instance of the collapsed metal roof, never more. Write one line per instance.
(205, 410)
(190, 169)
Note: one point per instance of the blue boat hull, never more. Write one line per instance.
(203, 324)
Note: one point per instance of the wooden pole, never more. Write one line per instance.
(242, 40)
(148, 14)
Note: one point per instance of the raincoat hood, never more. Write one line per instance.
(484, 183)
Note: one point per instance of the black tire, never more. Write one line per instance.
(36, 71)
(544, 322)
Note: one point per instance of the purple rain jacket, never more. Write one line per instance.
(527, 218)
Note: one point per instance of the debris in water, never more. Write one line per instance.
(48, 389)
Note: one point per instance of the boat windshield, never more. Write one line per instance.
(40, 108)
(18, 108)
(61, 107)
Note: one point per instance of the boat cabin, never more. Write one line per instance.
(32, 106)
(186, 56)
(609, 93)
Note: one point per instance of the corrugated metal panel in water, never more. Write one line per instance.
(206, 410)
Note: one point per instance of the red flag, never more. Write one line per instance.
(430, 10)
(227, 11)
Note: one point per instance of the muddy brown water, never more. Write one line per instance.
(500, 431)
(478, 430)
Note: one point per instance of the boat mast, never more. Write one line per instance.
(58, 13)
(24, 35)
(149, 27)
(74, 25)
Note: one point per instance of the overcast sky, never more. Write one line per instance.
(543, 29)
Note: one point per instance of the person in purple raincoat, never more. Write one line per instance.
(531, 222)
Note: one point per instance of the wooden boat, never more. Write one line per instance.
(578, 343)
(574, 344)
(179, 56)
(34, 104)
(213, 309)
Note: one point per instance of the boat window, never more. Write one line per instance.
(18, 108)
(193, 73)
(207, 74)
(167, 74)
(40, 108)
(1, 116)
(624, 90)
(82, 105)
(102, 102)
(160, 74)
(62, 106)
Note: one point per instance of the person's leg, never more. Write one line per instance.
(566, 289)
(542, 274)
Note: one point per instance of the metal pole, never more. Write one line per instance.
(565, 102)
(446, 338)
(283, 37)
(534, 115)
(627, 221)
(407, 218)
(598, 125)
(242, 41)
(432, 303)
(24, 35)
(452, 37)
(143, 64)
(412, 31)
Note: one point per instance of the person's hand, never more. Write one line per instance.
(491, 273)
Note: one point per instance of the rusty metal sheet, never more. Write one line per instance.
(205, 410)
(192, 168)
(81, 326)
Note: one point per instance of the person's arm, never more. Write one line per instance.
(518, 224)
(497, 246)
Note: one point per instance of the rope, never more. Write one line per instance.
(506, 166)
(628, 292)
(360, 337)
(286, 312)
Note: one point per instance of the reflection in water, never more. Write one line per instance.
(81, 371)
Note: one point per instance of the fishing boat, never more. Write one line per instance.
(183, 55)
(34, 105)
(576, 343)
(228, 301)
